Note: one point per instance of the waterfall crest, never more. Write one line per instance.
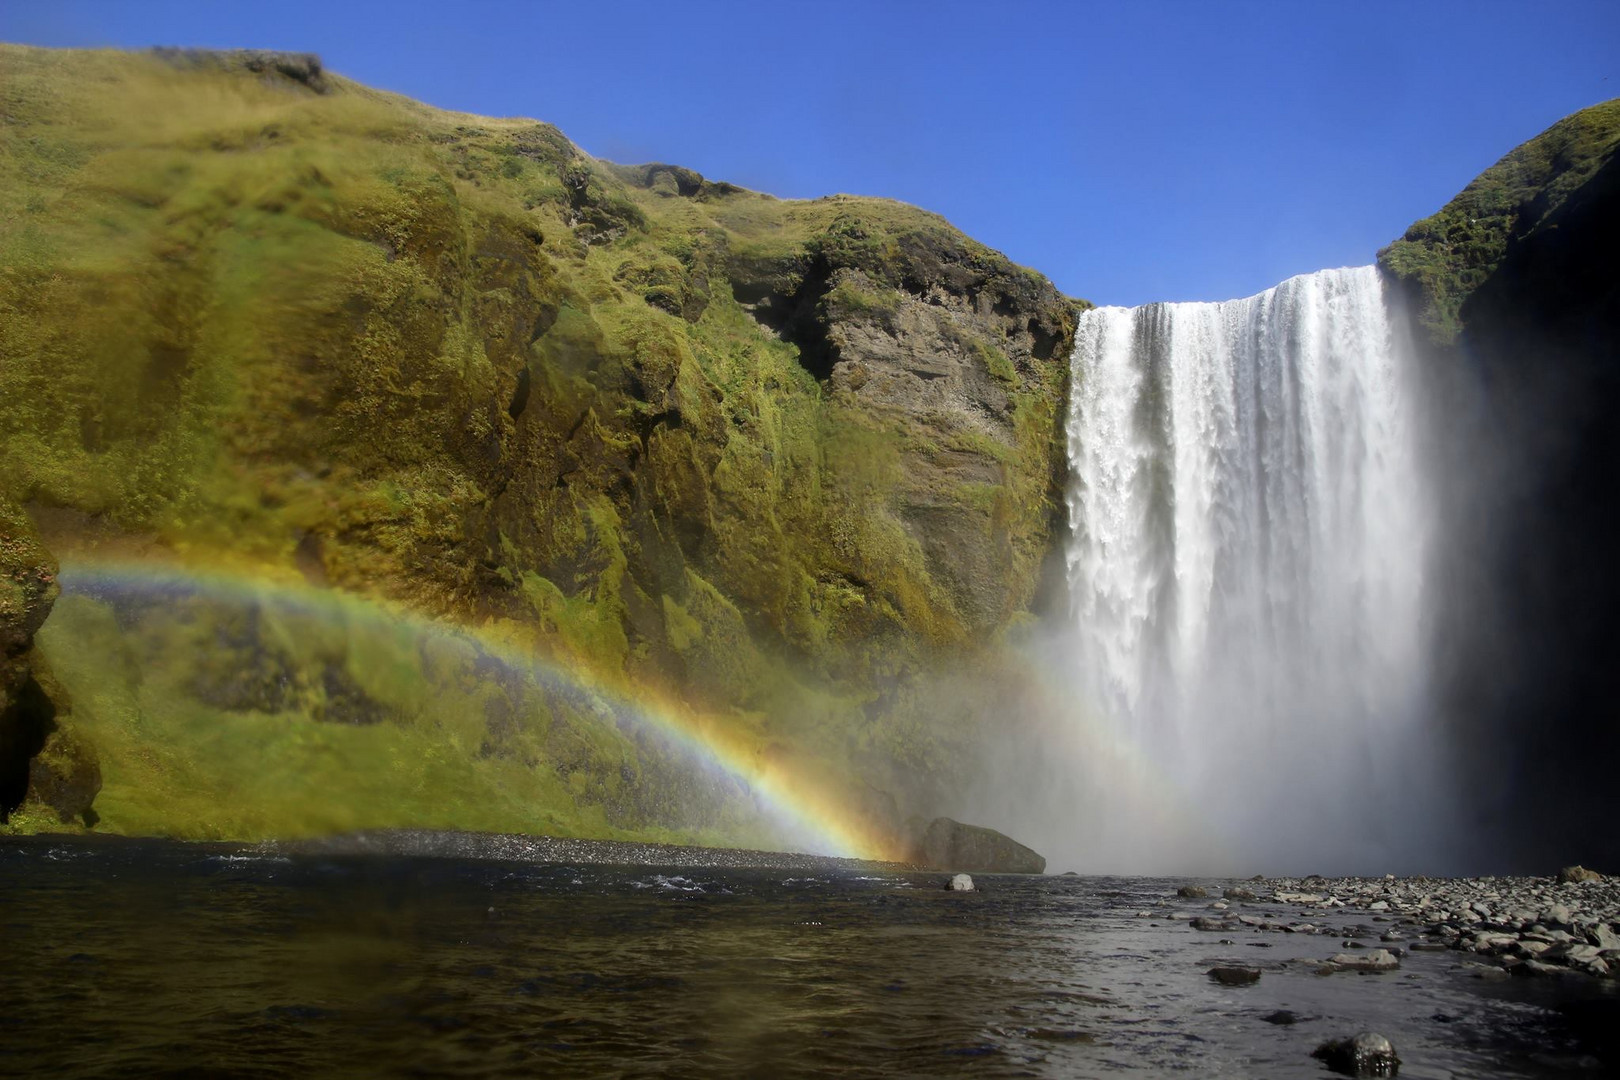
(1249, 536)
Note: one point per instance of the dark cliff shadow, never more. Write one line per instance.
(1529, 649)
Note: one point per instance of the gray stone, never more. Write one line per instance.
(1574, 875)
(1488, 972)
(1375, 960)
(1283, 1016)
(960, 883)
(1234, 976)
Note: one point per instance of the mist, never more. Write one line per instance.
(1242, 677)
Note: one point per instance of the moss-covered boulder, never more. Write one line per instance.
(950, 845)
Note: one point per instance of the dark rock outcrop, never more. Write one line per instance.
(951, 845)
(35, 757)
(924, 330)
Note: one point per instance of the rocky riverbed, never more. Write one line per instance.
(449, 844)
(1567, 925)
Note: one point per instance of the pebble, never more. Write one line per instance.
(1567, 925)
(434, 843)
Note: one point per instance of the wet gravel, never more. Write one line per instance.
(428, 843)
(1567, 925)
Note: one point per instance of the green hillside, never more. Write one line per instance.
(771, 461)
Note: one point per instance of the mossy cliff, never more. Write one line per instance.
(775, 460)
(1444, 259)
(1517, 288)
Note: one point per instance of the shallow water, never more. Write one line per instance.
(155, 958)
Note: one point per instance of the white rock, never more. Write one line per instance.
(1375, 960)
(960, 883)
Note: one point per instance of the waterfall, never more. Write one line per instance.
(1249, 539)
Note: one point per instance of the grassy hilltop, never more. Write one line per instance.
(774, 461)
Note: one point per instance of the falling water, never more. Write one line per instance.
(1246, 569)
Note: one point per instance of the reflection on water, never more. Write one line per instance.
(162, 959)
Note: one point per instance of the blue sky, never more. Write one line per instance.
(1131, 151)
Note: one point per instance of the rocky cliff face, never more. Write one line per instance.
(776, 459)
(1515, 286)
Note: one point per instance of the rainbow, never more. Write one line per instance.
(804, 813)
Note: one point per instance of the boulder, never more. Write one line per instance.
(1192, 892)
(951, 845)
(1574, 875)
(960, 883)
(1234, 976)
(1366, 1054)
(1374, 960)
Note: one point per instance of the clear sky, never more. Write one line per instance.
(1132, 151)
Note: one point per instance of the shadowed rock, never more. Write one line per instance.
(1234, 976)
(951, 845)
(34, 756)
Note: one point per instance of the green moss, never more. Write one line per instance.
(1446, 256)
